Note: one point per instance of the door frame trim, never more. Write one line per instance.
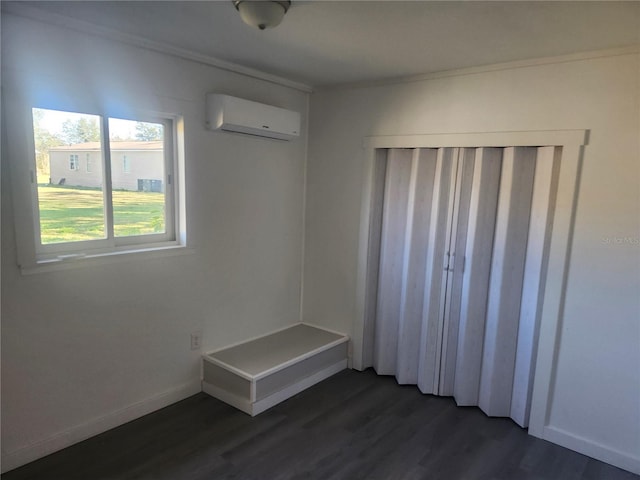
(572, 143)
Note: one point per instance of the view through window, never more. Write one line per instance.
(93, 201)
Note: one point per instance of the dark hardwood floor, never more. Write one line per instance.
(351, 426)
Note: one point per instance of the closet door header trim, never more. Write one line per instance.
(532, 138)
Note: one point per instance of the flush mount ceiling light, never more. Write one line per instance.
(262, 13)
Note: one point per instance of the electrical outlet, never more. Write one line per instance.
(196, 340)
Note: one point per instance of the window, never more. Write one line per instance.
(103, 210)
(73, 162)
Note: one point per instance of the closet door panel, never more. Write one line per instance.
(456, 271)
(542, 207)
(451, 205)
(505, 286)
(373, 257)
(394, 223)
(475, 279)
(435, 279)
(413, 278)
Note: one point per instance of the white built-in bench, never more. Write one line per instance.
(257, 374)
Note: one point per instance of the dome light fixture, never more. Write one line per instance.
(262, 14)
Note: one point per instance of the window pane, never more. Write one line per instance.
(70, 198)
(137, 177)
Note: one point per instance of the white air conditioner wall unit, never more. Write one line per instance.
(233, 114)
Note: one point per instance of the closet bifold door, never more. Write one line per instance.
(463, 251)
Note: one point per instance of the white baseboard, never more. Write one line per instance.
(66, 438)
(592, 449)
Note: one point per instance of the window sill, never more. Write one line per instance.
(71, 262)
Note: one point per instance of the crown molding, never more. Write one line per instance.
(574, 57)
(33, 13)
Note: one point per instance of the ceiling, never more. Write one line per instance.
(324, 43)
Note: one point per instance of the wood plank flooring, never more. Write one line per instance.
(355, 425)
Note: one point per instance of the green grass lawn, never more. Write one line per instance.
(70, 214)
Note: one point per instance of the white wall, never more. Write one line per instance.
(596, 401)
(87, 348)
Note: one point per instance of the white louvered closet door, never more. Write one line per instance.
(463, 245)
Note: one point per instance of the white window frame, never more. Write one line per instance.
(34, 256)
(88, 163)
(126, 164)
